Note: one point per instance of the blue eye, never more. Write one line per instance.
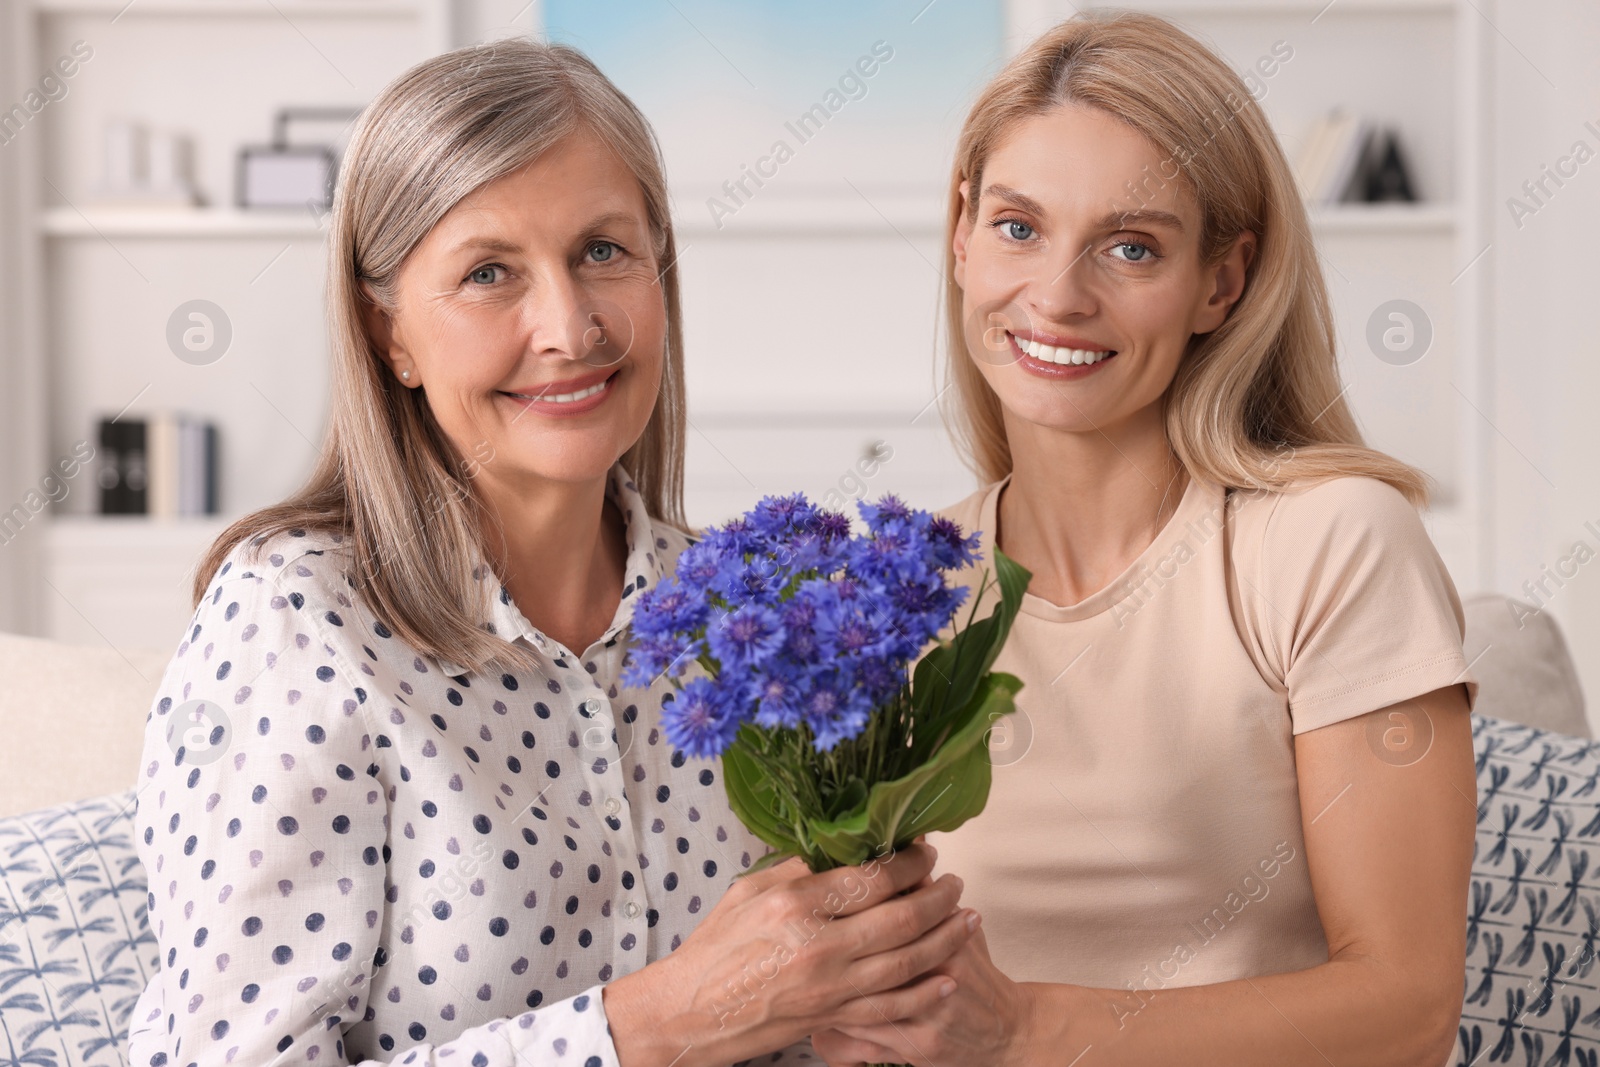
(1017, 231)
(1145, 251)
(484, 275)
(606, 247)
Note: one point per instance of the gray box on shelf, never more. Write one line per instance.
(286, 175)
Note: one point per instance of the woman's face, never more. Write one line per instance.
(533, 316)
(1081, 279)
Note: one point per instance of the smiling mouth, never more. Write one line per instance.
(1064, 356)
(565, 398)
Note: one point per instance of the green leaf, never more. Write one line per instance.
(963, 785)
(956, 698)
(947, 677)
(752, 797)
(1013, 578)
(847, 799)
(941, 794)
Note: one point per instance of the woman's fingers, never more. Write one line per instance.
(915, 999)
(898, 966)
(798, 946)
(786, 871)
(839, 1049)
(901, 920)
(876, 880)
(751, 885)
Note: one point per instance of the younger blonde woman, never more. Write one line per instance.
(1233, 823)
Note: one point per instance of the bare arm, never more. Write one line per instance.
(1389, 846)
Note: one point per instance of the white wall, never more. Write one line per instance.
(22, 449)
(1547, 287)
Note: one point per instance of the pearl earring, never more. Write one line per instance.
(406, 375)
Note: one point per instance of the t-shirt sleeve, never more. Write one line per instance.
(262, 824)
(1354, 609)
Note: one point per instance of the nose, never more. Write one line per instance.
(571, 321)
(558, 314)
(1065, 288)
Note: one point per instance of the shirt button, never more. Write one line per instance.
(592, 706)
(630, 909)
(613, 805)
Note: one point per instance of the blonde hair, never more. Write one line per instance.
(1256, 403)
(388, 479)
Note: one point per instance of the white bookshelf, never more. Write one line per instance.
(121, 579)
(1439, 219)
(792, 426)
(214, 70)
(177, 223)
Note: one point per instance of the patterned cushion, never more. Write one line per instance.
(1534, 909)
(76, 949)
(75, 944)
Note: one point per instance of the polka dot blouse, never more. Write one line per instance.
(358, 854)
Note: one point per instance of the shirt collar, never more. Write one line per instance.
(642, 568)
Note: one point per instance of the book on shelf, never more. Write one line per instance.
(123, 474)
(163, 466)
(1348, 158)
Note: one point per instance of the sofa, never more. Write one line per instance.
(76, 949)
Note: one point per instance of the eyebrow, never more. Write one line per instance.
(479, 242)
(488, 243)
(1111, 220)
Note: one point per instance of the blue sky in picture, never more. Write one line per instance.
(727, 82)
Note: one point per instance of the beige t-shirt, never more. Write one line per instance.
(1143, 827)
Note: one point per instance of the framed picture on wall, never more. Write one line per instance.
(769, 103)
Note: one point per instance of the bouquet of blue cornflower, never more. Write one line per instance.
(833, 748)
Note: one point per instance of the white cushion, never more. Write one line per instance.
(1524, 671)
(71, 719)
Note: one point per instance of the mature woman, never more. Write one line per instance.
(421, 820)
(1235, 822)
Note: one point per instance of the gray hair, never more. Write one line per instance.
(388, 478)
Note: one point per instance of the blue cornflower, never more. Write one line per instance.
(808, 625)
(799, 628)
(697, 720)
(780, 696)
(925, 605)
(878, 679)
(947, 549)
(668, 608)
(833, 711)
(651, 657)
(745, 637)
(778, 516)
(735, 537)
(888, 507)
(698, 567)
(743, 579)
(853, 627)
(832, 525)
(887, 556)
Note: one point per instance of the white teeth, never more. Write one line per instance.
(567, 398)
(1051, 354)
